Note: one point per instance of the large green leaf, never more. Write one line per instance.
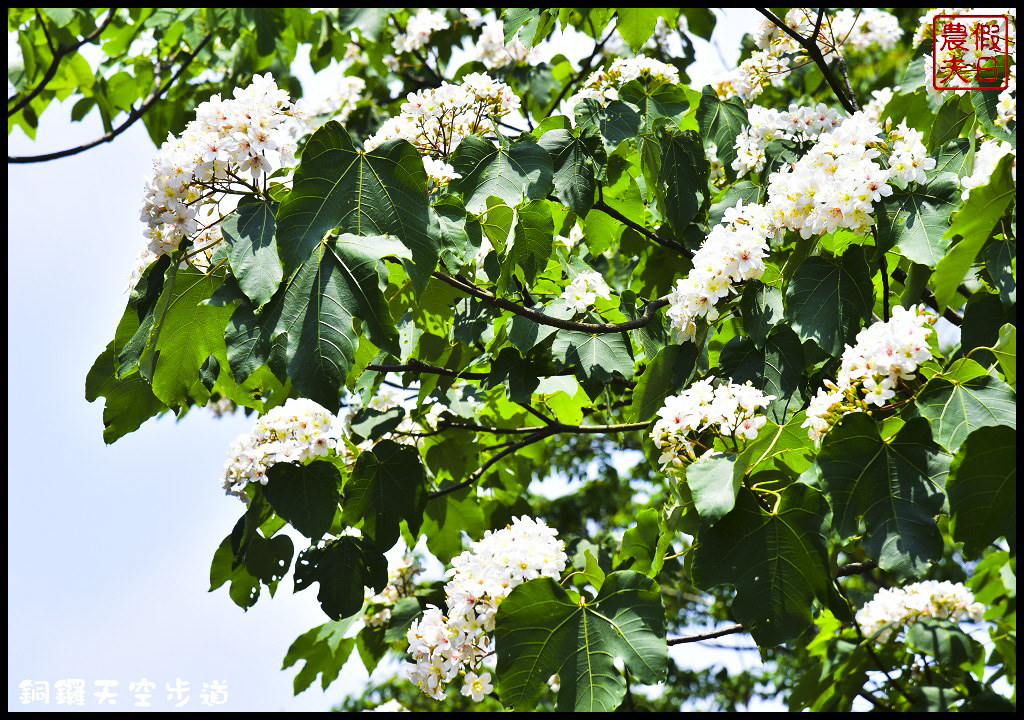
(521, 171)
(777, 561)
(447, 517)
(186, 332)
(323, 650)
(614, 122)
(342, 568)
(252, 250)
(663, 104)
(388, 485)
(266, 561)
(959, 402)
(949, 123)
(307, 496)
(645, 543)
(830, 298)
(974, 224)
(683, 182)
(893, 486)
(713, 483)
(573, 177)
(531, 244)
(982, 489)
(338, 283)
(1005, 351)
(597, 358)
(666, 375)
(721, 122)
(636, 25)
(761, 309)
(775, 368)
(540, 631)
(915, 220)
(986, 107)
(129, 400)
(382, 192)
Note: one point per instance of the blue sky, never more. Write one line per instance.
(109, 547)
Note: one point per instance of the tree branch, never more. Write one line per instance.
(58, 54)
(470, 289)
(731, 630)
(133, 116)
(810, 46)
(665, 242)
(539, 435)
(415, 365)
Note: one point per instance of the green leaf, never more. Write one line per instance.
(714, 482)
(1000, 259)
(338, 283)
(521, 171)
(762, 309)
(388, 485)
(597, 358)
(252, 250)
(636, 25)
(721, 122)
(982, 489)
(986, 107)
(776, 561)
(662, 104)
(455, 233)
(974, 224)
(666, 375)
(323, 650)
(915, 220)
(129, 400)
(1005, 351)
(830, 298)
(573, 177)
(614, 122)
(955, 407)
(342, 568)
(683, 182)
(531, 245)
(383, 192)
(776, 368)
(645, 543)
(305, 495)
(185, 334)
(949, 123)
(893, 486)
(447, 517)
(540, 631)
(942, 640)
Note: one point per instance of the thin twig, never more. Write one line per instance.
(731, 630)
(540, 435)
(470, 289)
(415, 365)
(132, 117)
(612, 212)
(58, 54)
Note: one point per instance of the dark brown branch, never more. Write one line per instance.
(539, 435)
(883, 266)
(856, 568)
(133, 116)
(810, 46)
(59, 53)
(732, 629)
(417, 366)
(665, 242)
(470, 289)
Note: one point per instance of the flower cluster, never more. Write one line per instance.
(835, 184)
(884, 354)
(733, 251)
(604, 85)
(584, 289)
(251, 133)
(909, 157)
(729, 410)
(298, 431)
(444, 645)
(401, 583)
(490, 48)
(985, 161)
(337, 104)
(900, 607)
(799, 124)
(717, 167)
(421, 25)
(436, 120)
